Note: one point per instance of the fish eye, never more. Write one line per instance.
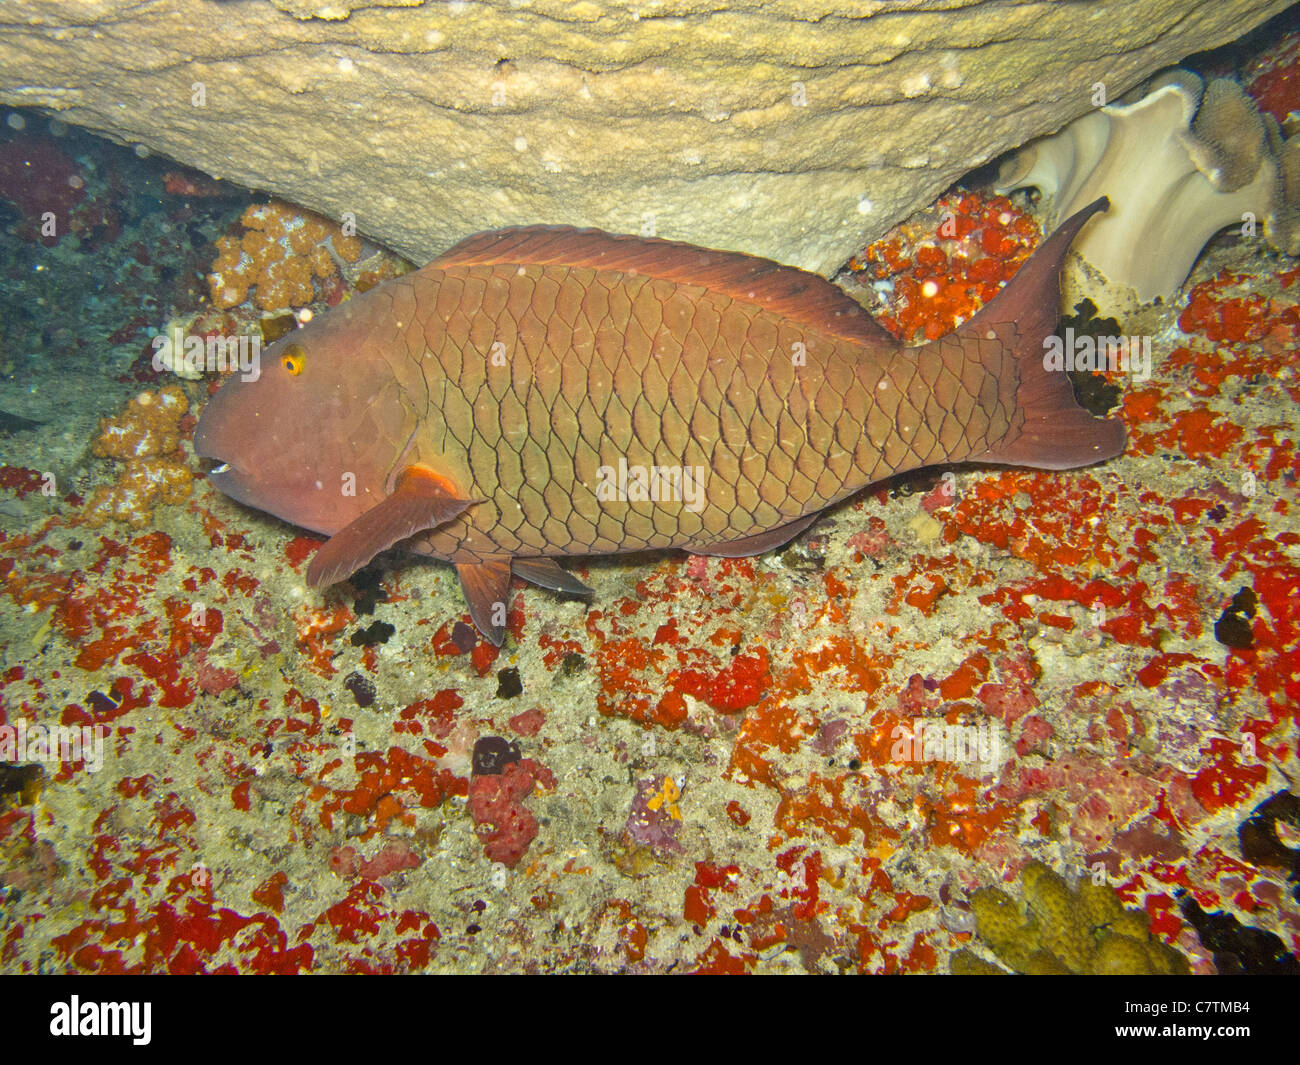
(293, 359)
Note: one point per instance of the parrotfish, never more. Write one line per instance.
(543, 392)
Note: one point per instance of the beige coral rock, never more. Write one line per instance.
(796, 129)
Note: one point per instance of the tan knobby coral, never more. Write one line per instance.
(1179, 162)
(146, 439)
(280, 255)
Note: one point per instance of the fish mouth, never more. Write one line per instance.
(248, 490)
(226, 477)
(203, 448)
(222, 473)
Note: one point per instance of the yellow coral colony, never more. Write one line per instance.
(1056, 929)
(145, 438)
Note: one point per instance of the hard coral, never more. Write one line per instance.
(1179, 163)
(146, 439)
(213, 332)
(282, 251)
(1055, 928)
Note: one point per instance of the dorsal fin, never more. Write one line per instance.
(784, 290)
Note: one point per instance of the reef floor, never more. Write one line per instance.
(717, 765)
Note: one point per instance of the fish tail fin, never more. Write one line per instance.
(1053, 431)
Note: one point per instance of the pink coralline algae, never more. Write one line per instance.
(213, 679)
(915, 698)
(529, 723)
(393, 857)
(1014, 697)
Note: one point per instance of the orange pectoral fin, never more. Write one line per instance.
(420, 500)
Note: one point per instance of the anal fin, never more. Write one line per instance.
(420, 500)
(486, 586)
(758, 543)
(549, 574)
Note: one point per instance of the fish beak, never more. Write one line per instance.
(238, 485)
(221, 473)
(220, 468)
(221, 476)
(224, 476)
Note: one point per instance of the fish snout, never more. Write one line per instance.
(217, 439)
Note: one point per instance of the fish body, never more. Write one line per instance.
(546, 392)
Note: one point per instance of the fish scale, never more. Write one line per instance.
(472, 409)
(700, 370)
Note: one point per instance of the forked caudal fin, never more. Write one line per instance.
(1056, 433)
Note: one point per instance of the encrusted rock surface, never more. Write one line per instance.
(795, 129)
